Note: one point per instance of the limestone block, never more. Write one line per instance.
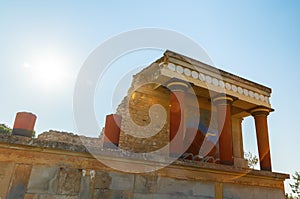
(204, 189)
(49, 196)
(19, 181)
(167, 196)
(69, 181)
(235, 191)
(145, 184)
(43, 179)
(121, 181)
(6, 169)
(85, 187)
(142, 196)
(185, 188)
(112, 194)
(102, 180)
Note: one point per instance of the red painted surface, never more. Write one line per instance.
(197, 145)
(176, 122)
(112, 129)
(25, 120)
(261, 126)
(225, 139)
(193, 140)
(208, 148)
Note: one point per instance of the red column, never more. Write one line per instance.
(261, 125)
(24, 124)
(176, 123)
(112, 131)
(177, 118)
(223, 105)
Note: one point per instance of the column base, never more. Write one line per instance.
(110, 145)
(22, 132)
(175, 155)
(266, 168)
(226, 162)
(240, 163)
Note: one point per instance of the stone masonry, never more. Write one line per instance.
(33, 168)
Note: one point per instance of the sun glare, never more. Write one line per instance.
(49, 72)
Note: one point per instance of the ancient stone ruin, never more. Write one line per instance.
(177, 134)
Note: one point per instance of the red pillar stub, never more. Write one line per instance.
(112, 131)
(261, 125)
(24, 124)
(223, 106)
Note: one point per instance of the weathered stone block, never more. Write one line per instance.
(204, 189)
(235, 191)
(43, 180)
(49, 196)
(102, 180)
(6, 169)
(185, 188)
(167, 196)
(85, 187)
(145, 183)
(159, 196)
(112, 194)
(69, 181)
(142, 196)
(19, 181)
(121, 181)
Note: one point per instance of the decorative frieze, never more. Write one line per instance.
(208, 79)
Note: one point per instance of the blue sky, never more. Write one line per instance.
(253, 39)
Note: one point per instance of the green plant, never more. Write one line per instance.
(5, 129)
(252, 159)
(295, 187)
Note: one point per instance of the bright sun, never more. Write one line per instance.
(49, 72)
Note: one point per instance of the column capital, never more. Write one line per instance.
(223, 99)
(175, 84)
(260, 111)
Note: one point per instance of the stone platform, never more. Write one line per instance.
(36, 168)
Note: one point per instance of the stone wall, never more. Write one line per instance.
(134, 110)
(71, 138)
(45, 182)
(42, 169)
(75, 183)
